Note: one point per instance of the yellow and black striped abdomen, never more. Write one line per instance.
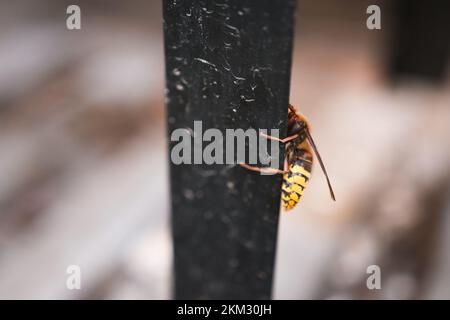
(296, 179)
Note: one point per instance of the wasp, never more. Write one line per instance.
(298, 159)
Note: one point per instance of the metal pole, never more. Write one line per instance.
(227, 64)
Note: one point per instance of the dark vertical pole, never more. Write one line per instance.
(228, 65)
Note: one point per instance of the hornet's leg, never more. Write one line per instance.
(262, 169)
(285, 140)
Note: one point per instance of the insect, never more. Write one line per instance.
(299, 159)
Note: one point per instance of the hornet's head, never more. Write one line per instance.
(297, 123)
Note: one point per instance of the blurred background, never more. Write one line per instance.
(83, 158)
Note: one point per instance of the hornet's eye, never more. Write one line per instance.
(297, 128)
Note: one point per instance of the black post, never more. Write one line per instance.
(227, 64)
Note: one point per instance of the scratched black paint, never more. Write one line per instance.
(228, 65)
